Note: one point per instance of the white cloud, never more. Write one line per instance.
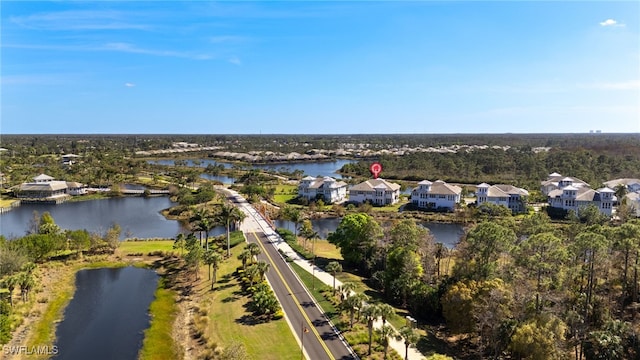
(235, 60)
(225, 38)
(130, 48)
(611, 22)
(129, 84)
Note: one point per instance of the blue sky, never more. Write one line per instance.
(319, 67)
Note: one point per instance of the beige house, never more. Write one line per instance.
(375, 191)
(436, 195)
(509, 196)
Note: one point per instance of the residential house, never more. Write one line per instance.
(556, 181)
(375, 191)
(574, 198)
(436, 195)
(69, 159)
(631, 185)
(327, 188)
(509, 196)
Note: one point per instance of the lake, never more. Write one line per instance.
(321, 168)
(137, 216)
(107, 315)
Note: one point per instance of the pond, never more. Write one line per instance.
(445, 233)
(107, 315)
(137, 216)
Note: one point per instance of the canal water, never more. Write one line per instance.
(108, 314)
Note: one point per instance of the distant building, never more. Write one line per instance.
(631, 185)
(633, 200)
(509, 196)
(327, 188)
(556, 181)
(436, 195)
(69, 159)
(375, 191)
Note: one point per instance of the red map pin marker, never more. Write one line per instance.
(375, 169)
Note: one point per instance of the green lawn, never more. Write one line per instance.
(158, 342)
(229, 321)
(144, 247)
(284, 193)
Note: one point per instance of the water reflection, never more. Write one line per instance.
(107, 315)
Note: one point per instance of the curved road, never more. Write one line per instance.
(318, 338)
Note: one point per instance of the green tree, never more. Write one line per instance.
(539, 339)
(482, 249)
(356, 236)
(541, 256)
(385, 332)
(410, 338)
(229, 214)
(47, 225)
(334, 267)
(244, 256)
(180, 243)
(213, 259)
(371, 313)
(194, 255)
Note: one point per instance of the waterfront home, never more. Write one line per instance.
(509, 196)
(574, 198)
(436, 195)
(45, 188)
(630, 185)
(326, 188)
(375, 191)
(556, 181)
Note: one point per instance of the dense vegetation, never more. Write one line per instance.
(526, 289)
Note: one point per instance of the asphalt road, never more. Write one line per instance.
(320, 340)
(318, 337)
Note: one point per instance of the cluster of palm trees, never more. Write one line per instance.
(256, 269)
(24, 279)
(204, 220)
(358, 304)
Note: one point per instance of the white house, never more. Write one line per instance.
(509, 196)
(436, 195)
(327, 188)
(631, 185)
(556, 181)
(574, 198)
(376, 191)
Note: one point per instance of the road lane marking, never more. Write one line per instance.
(297, 302)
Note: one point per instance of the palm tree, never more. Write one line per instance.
(385, 333)
(263, 267)
(244, 256)
(254, 250)
(10, 283)
(410, 337)
(26, 282)
(371, 313)
(346, 290)
(227, 215)
(386, 311)
(351, 304)
(214, 260)
(252, 272)
(334, 267)
(179, 243)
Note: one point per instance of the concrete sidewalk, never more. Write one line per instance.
(260, 224)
